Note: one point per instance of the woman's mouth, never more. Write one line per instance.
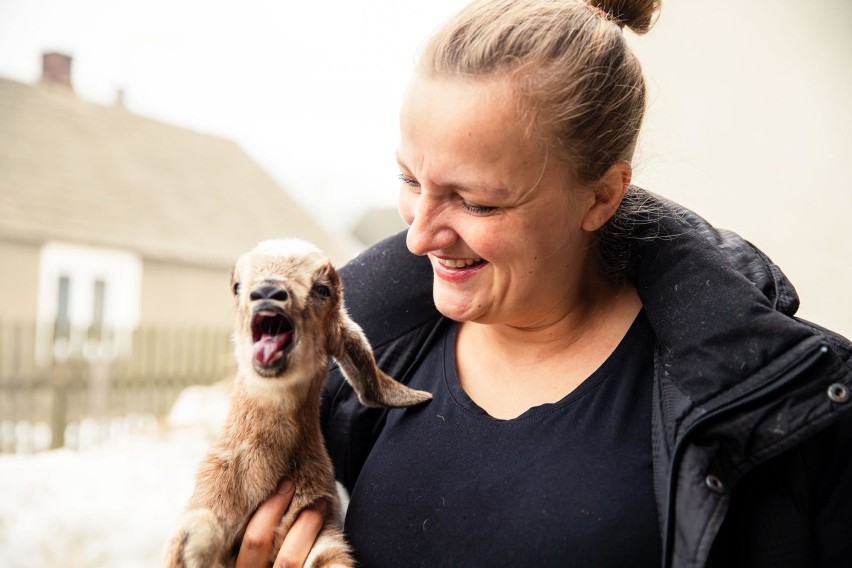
(457, 269)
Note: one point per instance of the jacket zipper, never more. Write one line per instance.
(791, 375)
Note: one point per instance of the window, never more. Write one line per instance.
(62, 325)
(96, 328)
(88, 301)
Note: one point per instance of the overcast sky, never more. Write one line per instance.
(749, 120)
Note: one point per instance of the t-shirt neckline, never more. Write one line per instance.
(607, 369)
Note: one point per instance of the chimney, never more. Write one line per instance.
(56, 69)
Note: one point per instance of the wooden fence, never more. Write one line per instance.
(45, 403)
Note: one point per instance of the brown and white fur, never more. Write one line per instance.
(290, 322)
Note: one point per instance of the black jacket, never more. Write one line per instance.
(752, 409)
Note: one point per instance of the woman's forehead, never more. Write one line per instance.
(462, 103)
(469, 131)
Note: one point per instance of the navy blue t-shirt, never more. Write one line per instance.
(563, 484)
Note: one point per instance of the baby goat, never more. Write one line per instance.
(290, 322)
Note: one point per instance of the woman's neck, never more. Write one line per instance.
(507, 369)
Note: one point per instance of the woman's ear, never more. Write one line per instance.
(609, 190)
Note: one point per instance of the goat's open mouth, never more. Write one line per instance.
(272, 333)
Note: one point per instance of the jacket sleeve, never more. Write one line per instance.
(832, 487)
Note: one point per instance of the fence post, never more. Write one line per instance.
(59, 410)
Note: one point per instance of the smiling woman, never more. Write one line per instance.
(615, 382)
(473, 179)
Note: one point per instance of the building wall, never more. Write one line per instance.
(18, 281)
(178, 295)
(171, 294)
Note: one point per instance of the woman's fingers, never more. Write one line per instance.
(299, 540)
(260, 531)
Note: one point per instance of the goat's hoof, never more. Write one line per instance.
(330, 551)
(198, 543)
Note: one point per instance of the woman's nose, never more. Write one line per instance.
(428, 229)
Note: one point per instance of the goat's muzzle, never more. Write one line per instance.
(273, 335)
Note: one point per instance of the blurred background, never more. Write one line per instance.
(145, 145)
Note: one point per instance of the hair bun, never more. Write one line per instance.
(638, 15)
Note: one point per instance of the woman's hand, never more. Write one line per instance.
(260, 532)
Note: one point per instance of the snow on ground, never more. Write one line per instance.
(113, 505)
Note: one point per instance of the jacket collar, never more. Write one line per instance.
(719, 309)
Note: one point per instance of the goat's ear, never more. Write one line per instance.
(374, 388)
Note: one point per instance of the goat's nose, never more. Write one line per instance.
(269, 293)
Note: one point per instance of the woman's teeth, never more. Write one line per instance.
(459, 262)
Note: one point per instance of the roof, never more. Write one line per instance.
(76, 171)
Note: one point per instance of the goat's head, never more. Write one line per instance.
(291, 319)
(287, 295)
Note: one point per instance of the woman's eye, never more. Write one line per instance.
(407, 180)
(478, 209)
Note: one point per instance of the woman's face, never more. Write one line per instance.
(497, 216)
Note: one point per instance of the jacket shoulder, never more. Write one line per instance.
(669, 220)
(749, 260)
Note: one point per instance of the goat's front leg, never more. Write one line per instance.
(198, 543)
(330, 550)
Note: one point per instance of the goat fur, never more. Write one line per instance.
(273, 428)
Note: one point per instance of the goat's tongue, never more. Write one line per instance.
(268, 345)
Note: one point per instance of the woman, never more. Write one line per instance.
(615, 382)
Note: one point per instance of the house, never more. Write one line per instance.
(111, 221)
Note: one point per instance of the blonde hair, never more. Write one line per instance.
(576, 81)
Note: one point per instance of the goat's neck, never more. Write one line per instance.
(283, 414)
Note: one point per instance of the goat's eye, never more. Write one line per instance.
(236, 288)
(322, 290)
